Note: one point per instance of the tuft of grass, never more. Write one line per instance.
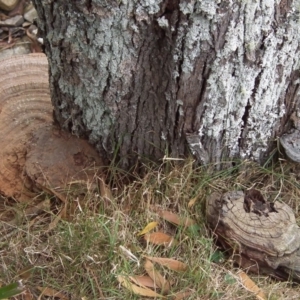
(80, 256)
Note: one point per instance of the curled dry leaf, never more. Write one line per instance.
(105, 190)
(175, 219)
(172, 264)
(25, 273)
(192, 202)
(143, 281)
(136, 289)
(158, 279)
(148, 228)
(160, 238)
(250, 285)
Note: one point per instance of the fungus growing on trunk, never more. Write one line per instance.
(34, 153)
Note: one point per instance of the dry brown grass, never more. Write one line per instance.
(80, 256)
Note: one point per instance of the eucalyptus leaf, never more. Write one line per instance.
(12, 289)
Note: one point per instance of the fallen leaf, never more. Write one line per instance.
(250, 285)
(11, 289)
(175, 219)
(27, 295)
(160, 238)
(172, 264)
(144, 281)
(148, 228)
(136, 289)
(105, 191)
(25, 273)
(46, 291)
(158, 279)
(182, 295)
(192, 202)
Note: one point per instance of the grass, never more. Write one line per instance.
(80, 256)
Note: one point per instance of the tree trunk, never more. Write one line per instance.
(143, 79)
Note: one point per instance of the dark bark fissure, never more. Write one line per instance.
(290, 104)
(203, 87)
(245, 119)
(89, 5)
(247, 112)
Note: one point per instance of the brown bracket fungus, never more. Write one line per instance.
(34, 153)
(266, 243)
(291, 144)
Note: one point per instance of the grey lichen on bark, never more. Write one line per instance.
(246, 87)
(87, 55)
(142, 78)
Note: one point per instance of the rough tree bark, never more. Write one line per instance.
(145, 78)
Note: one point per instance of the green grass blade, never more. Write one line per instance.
(10, 290)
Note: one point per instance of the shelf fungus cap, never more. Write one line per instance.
(275, 234)
(264, 240)
(35, 155)
(291, 144)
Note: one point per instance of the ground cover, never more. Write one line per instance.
(90, 245)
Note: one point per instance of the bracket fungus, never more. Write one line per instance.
(291, 144)
(262, 238)
(291, 141)
(34, 153)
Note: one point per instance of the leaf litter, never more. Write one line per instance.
(145, 281)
